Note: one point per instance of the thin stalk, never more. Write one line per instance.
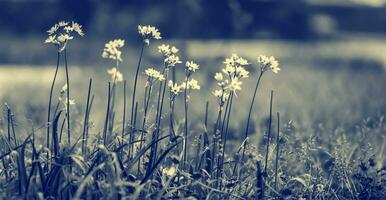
(166, 73)
(68, 99)
(50, 100)
(277, 149)
(9, 124)
(186, 119)
(124, 110)
(135, 87)
(250, 112)
(146, 102)
(226, 130)
(171, 115)
(216, 135)
(269, 133)
(13, 130)
(132, 134)
(85, 123)
(88, 117)
(107, 115)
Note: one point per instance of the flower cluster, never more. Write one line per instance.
(154, 75)
(62, 32)
(111, 50)
(116, 76)
(230, 78)
(170, 55)
(270, 62)
(191, 66)
(192, 84)
(166, 50)
(234, 67)
(175, 88)
(148, 32)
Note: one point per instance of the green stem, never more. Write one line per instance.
(50, 100)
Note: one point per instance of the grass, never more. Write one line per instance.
(328, 141)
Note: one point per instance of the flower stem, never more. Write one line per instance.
(50, 100)
(86, 116)
(250, 112)
(269, 133)
(135, 88)
(68, 98)
(186, 119)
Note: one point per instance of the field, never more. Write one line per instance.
(331, 142)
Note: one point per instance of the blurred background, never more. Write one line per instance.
(332, 52)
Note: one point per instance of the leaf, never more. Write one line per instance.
(55, 140)
(299, 180)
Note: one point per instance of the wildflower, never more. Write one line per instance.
(221, 95)
(174, 50)
(218, 93)
(268, 63)
(229, 70)
(154, 74)
(170, 171)
(51, 39)
(235, 61)
(53, 29)
(218, 77)
(77, 28)
(166, 50)
(242, 72)
(63, 23)
(111, 50)
(148, 32)
(172, 60)
(175, 88)
(234, 84)
(116, 76)
(60, 34)
(193, 84)
(191, 66)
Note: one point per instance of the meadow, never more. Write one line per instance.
(313, 132)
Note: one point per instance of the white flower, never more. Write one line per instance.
(112, 50)
(242, 72)
(193, 84)
(154, 74)
(77, 28)
(63, 23)
(51, 39)
(53, 29)
(175, 88)
(115, 74)
(172, 60)
(170, 171)
(217, 93)
(191, 66)
(149, 32)
(234, 85)
(174, 50)
(218, 77)
(164, 49)
(268, 62)
(59, 34)
(236, 61)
